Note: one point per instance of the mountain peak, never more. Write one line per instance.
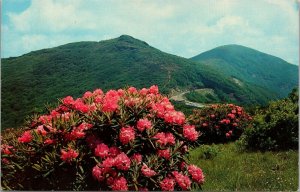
(131, 40)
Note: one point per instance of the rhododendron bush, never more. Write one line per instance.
(120, 140)
(220, 123)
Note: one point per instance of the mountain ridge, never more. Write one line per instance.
(41, 76)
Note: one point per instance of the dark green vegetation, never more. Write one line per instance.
(248, 65)
(31, 80)
(275, 127)
(203, 96)
(227, 168)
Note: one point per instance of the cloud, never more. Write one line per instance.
(184, 28)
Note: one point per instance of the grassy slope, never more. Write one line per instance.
(250, 171)
(252, 66)
(31, 80)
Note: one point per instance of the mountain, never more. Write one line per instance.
(33, 79)
(250, 65)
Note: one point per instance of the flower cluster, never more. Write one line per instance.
(126, 139)
(221, 122)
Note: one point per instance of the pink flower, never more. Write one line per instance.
(232, 116)
(164, 153)
(49, 141)
(40, 130)
(97, 173)
(143, 124)
(26, 137)
(144, 91)
(196, 173)
(126, 135)
(204, 125)
(228, 135)
(190, 133)
(114, 151)
(119, 184)
(212, 116)
(183, 181)
(80, 106)
(110, 104)
(235, 124)
(122, 162)
(87, 95)
(161, 138)
(167, 184)
(132, 90)
(174, 117)
(170, 138)
(108, 162)
(101, 150)
(98, 92)
(68, 155)
(6, 149)
(68, 100)
(137, 157)
(147, 171)
(153, 89)
(45, 119)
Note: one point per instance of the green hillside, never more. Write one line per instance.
(33, 79)
(252, 66)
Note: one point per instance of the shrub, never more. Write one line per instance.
(275, 127)
(220, 123)
(122, 140)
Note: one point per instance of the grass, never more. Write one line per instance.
(226, 168)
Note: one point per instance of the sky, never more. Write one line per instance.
(180, 27)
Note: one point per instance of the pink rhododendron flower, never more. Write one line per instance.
(114, 151)
(164, 153)
(143, 124)
(161, 138)
(190, 133)
(167, 184)
(45, 119)
(68, 155)
(101, 150)
(80, 106)
(97, 173)
(87, 95)
(147, 171)
(110, 104)
(109, 162)
(137, 157)
(132, 90)
(126, 135)
(40, 130)
(119, 184)
(6, 149)
(26, 137)
(49, 141)
(182, 180)
(170, 138)
(196, 173)
(153, 89)
(174, 117)
(122, 162)
(144, 91)
(98, 92)
(68, 100)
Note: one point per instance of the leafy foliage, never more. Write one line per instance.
(220, 123)
(122, 140)
(275, 127)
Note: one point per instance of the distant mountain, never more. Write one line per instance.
(33, 79)
(250, 65)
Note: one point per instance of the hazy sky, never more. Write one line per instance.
(181, 27)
